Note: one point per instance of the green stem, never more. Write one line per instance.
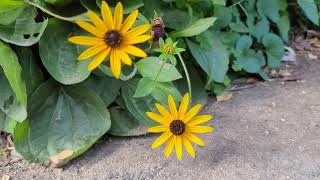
(239, 2)
(187, 74)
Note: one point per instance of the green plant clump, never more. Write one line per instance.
(52, 104)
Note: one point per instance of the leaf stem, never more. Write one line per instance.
(131, 75)
(49, 12)
(187, 74)
(164, 62)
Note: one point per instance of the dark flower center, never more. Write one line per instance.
(177, 127)
(113, 39)
(157, 32)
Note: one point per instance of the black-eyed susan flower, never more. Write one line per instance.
(112, 36)
(179, 126)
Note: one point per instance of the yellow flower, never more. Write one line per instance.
(178, 126)
(113, 37)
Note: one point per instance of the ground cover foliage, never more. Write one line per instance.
(55, 108)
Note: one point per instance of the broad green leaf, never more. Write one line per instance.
(269, 8)
(158, 70)
(310, 9)
(10, 108)
(32, 73)
(175, 18)
(7, 5)
(108, 89)
(162, 90)
(195, 28)
(60, 56)
(284, 26)
(124, 124)
(251, 61)
(219, 2)
(244, 43)
(25, 31)
(13, 71)
(137, 106)
(259, 29)
(247, 58)
(223, 15)
(214, 60)
(10, 16)
(274, 48)
(239, 27)
(144, 88)
(61, 118)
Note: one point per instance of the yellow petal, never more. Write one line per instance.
(137, 39)
(199, 120)
(193, 138)
(107, 15)
(129, 21)
(163, 111)
(201, 129)
(118, 16)
(91, 52)
(163, 138)
(188, 146)
(193, 111)
(99, 59)
(169, 147)
(134, 51)
(115, 63)
(179, 147)
(184, 105)
(157, 129)
(90, 28)
(172, 107)
(97, 21)
(125, 58)
(86, 40)
(156, 117)
(138, 30)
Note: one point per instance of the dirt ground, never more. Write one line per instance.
(271, 131)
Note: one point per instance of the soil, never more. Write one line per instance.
(271, 131)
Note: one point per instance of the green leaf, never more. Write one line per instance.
(219, 2)
(144, 88)
(137, 106)
(107, 88)
(310, 9)
(251, 61)
(13, 71)
(195, 28)
(124, 124)
(244, 43)
(162, 90)
(284, 26)
(61, 118)
(150, 67)
(25, 31)
(175, 18)
(10, 108)
(10, 16)
(60, 2)
(214, 60)
(32, 73)
(260, 29)
(128, 6)
(223, 15)
(269, 8)
(275, 49)
(7, 5)
(239, 27)
(60, 56)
